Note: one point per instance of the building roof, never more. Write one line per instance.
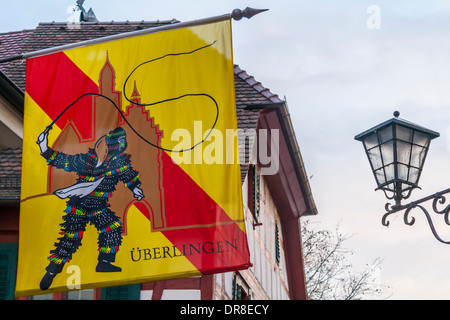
(249, 92)
(10, 173)
(53, 34)
(11, 44)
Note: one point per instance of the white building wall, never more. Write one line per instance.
(266, 279)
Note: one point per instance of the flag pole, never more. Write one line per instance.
(237, 15)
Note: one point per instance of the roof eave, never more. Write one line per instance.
(297, 158)
(301, 171)
(274, 103)
(11, 92)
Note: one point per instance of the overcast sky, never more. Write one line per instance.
(343, 68)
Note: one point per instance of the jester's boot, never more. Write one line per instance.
(104, 263)
(52, 270)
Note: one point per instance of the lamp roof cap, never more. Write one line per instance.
(399, 121)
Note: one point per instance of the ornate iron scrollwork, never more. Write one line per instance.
(437, 198)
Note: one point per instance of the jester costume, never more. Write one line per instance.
(93, 207)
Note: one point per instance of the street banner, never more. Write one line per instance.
(130, 167)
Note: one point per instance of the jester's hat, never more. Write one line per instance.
(116, 141)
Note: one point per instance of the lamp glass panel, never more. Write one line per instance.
(371, 141)
(375, 158)
(402, 172)
(386, 134)
(413, 175)
(404, 133)
(421, 139)
(379, 176)
(390, 172)
(390, 187)
(387, 151)
(403, 152)
(418, 156)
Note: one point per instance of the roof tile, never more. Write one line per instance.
(10, 173)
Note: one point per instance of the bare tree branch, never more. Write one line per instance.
(329, 275)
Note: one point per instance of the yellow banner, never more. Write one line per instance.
(130, 163)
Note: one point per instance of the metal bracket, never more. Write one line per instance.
(436, 198)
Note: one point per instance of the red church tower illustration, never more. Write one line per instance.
(147, 160)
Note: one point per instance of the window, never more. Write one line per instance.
(46, 296)
(240, 289)
(8, 261)
(254, 193)
(127, 292)
(87, 294)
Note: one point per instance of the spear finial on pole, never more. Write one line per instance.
(238, 14)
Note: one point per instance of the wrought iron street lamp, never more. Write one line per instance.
(396, 150)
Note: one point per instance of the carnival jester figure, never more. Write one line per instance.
(99, 171)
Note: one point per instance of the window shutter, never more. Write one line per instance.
(8, 265)
(256, 194)
(277, 243)
(237, 289)
(128, 292)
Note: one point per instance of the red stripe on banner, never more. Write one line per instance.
(54, 82)
(187, 203)
(216, 248)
